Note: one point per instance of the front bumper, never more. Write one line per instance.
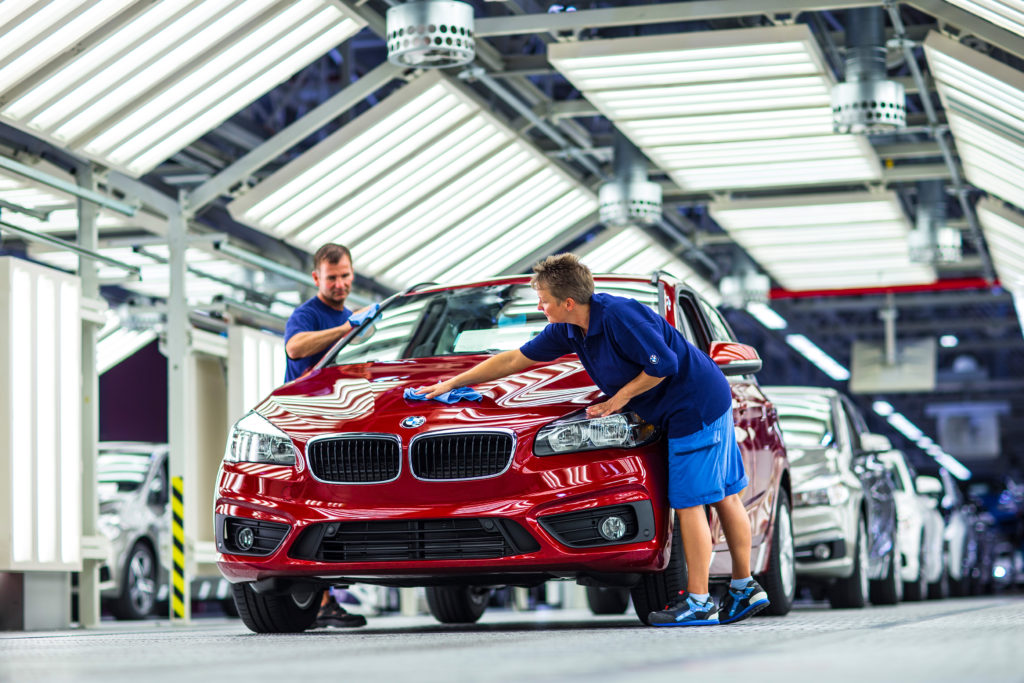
(466, 537)
(824, 525)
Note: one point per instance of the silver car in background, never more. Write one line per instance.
(135, 514)
(844, 513)
(133, 489)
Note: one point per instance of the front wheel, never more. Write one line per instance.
(276, 613)
(779, 580)
(853, 590)
(457, 604)
(653, 591)
(914, 591)
(138, 584)
(889, 589)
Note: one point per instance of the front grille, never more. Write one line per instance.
(468, 455)
(422, 539)
(363, 459)
(582, 529)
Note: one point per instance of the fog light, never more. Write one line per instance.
(822, 551)
(613, 528)
(244, 538)
(331, 529)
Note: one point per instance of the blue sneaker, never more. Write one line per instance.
(740, 604)
(685, 611)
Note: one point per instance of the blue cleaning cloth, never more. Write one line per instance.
(453, 396)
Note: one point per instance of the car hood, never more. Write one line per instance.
(368, 397)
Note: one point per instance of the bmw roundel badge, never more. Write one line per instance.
(413, 421)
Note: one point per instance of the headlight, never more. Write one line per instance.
(833, 494)
(254, 439)
(572, 435)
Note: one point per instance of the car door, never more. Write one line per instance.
(752, 413)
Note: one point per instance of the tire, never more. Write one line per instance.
(607, 600)
(138, 584)
(889, 589)
(653, 591)
(914, 591)
(457, 604)
(276, 613)
(779, 580)
(852, 592)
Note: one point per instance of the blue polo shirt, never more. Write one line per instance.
(311, 316)
(626, 338)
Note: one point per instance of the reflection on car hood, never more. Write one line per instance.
(809, 463)
(368, 397)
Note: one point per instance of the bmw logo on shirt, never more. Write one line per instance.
(653, 359)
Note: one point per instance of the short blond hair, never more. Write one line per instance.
(565, 277)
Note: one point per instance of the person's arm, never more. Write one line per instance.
(303, 344)
(495, 367)
(636, 386)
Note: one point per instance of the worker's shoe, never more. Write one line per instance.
(333, 614)
(684, 610)
(738, 604)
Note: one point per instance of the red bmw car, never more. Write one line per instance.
(337, 478)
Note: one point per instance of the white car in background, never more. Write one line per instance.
(920, 531)
(957, 535)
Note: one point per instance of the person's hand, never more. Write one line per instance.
(362, 315)
(436, 389)
(609, 407)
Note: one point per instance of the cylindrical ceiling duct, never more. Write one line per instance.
(629, 198)
(430, 34)
(866, 102)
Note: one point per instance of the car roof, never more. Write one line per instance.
(525, 279)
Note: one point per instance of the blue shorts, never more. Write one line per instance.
(706, 466)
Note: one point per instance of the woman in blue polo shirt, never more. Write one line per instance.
(644, 364)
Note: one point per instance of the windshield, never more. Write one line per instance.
(806, 421)
(470, 320)
(125, 471)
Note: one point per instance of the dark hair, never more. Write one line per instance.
(331, 253)
(564, 276)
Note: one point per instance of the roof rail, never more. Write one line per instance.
(412, 288)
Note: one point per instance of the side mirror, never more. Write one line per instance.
(874, 443)
(734, 358)
(928, 485)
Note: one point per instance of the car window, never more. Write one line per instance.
(806, 421)
(121, 471)
(469, 320)
(719, 329)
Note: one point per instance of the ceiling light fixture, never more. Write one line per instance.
(434, 34)
(867, 102)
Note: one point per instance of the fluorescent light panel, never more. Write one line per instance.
(734, 109)
(825, 241)
(130, 87)
(812, 352)
(1006, 13)
(633, 252)
(427, 166)
(983, 99)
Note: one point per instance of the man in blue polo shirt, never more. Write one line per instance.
(644, 364)
(316, 324)
(311, 330)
